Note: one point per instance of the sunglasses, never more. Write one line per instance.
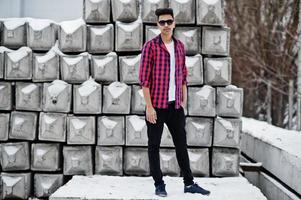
(163, 22)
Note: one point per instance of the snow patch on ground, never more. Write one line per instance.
(116, 187)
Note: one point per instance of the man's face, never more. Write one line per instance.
(166, 24)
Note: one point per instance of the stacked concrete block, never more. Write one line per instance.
(104, 67)
(18, 64)
(76, 107)
(15, 185)
(41, 34)
(46, 184)
(13, 34)
(45, 67)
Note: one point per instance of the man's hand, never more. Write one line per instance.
(151, 114)
(183, 104)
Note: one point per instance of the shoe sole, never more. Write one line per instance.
(197, 193)
(162, 195)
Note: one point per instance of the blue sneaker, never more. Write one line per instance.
(195, 188)
(160, 190)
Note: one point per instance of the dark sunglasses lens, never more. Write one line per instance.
(169, 22)
(162, 22)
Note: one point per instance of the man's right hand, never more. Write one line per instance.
(151, 114)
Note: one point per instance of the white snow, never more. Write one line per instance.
(17, 55)
(233, 87)
(129, 27)
(88, 87)
(205, 91)
(210, 1)
(49, 120)
(101, 62)
(216, 64)
(44, 58)
(72, 25)
(4, 49)
(131, 61)
(190, 61)
(100, 30)
(287, 140)
(125, 188)
(29, 88)
(11, 150)
(78, 124)
(226, 124)
(56, 87)
(39, 24)
(137, 123)
(72, 60)
(12, 24)
(95, 1)
(110, 124)
(117, 88)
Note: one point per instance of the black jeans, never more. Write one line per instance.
(175, 121)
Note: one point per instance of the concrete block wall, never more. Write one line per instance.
(71, 103)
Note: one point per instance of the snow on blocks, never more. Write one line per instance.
(229, 101)
(116, 98)
(148, 8)
(216, 41)
(136, 131)
(81, 130)
(57, 96)
(46, 184)
(87, 98)
(129, 69)
(77, 160)
(2, 53)
(72, 36)
(45, 157)
(18, 64)
(184, 11)
(45, 66)
(218, 71)
(194, 66)
(110, 130)
(52, 127)
(137, 100)
(13, 34)
(75, 68)
(201, 101)
(109, 160)
(104, 68)
(29, 96)
(128, 36)
(125, 11)
(210, 12)
(15, 156)
(97, 11)
(15, 185)
(41, 34)
(190, 38)
(199, 131)
(23, 125)
(100, 38)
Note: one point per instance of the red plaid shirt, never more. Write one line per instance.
(154, 71)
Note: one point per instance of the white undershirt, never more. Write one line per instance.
(172, 87)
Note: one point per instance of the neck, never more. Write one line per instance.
(166, 38)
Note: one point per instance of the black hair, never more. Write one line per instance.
(164, 11)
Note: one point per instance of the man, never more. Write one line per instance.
(163, 77)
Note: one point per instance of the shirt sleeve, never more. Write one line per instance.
(185, 70)
(146, 65)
